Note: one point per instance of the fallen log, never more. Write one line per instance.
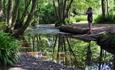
(107, 42)
(104, 39)
(73, 30)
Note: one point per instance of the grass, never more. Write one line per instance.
(96, 19)
(78, 18)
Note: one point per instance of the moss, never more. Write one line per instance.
(107, 42)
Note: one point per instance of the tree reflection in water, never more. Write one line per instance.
(70, 52)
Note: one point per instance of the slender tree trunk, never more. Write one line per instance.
(61, 10)
(89, 54)
(28, 21)
(100, 59)
(64, 9)
(10, 12)
(4, 8)
(25, 13)
(69, 6)
(114, 4)
(1, 8)
(17, 28)
(15, 13)
(55, 10)
(103, 8)
(114, 62)
(107, 7)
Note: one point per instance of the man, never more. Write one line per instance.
(89, 18)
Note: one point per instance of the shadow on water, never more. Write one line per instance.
(61, 48)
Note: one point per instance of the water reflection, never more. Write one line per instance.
(61, 48)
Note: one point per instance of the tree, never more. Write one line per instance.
(15, 25)
(103, 8)
(1, 9)
(104, 4)
(45, 12)
(114, 4)
(62, 8)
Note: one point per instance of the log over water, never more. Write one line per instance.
(105, 38)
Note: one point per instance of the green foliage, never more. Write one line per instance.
(70, 20)
(80, 6)
(109, 18)
(74, 19)
(2, 25)
(46, 14)
(81, 18)
(80, 49)
(8, 49)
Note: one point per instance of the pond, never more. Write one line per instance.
(49, 44)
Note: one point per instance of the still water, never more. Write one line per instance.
(61, 48)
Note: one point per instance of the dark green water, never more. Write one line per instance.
(61, 48)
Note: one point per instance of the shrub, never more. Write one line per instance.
(8, 49)
(101, 19)
(76, 19)
(70, 20)
(46, 15)
(81, 18)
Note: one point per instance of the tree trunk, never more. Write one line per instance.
(15, 13)
(61, 10)
(4, 9)
(103, 8)
(25, 13)
(10, 12)
(28, 21)
(114, 5)
(114, 62)
(107, 7)
(1, 9)
(14, 27)
(89, 54)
